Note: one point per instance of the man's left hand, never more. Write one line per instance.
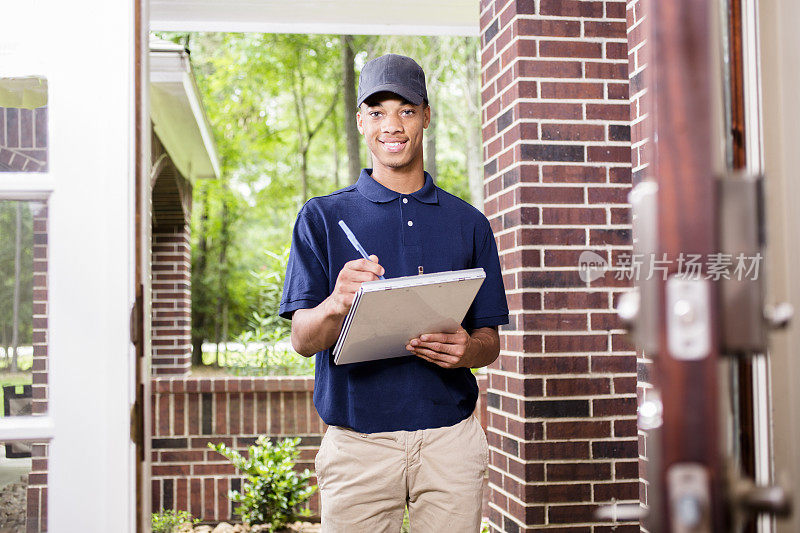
(448, 350)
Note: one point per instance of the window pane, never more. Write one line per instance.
(23, 308)
(23, 124)
(23, 487)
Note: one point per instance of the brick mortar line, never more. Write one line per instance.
(582, 60)
(570, 122)
(581, 79)
(560, 377)
(564, 205)
(521, 142)
(510, 497)
(567, 354)
(511, 209)
(541, 142)
(558, 268)
(638, 22)
(568, 205)
(605, 418)
(582, 101)
(609, 396)
(638, 46)
(563, 247)
(556, 18)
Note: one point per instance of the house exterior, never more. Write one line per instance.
(570, 126)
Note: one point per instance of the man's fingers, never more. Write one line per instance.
(365, 265)
(443, 360)
(359, 276)
(447, 338)
(456, 350)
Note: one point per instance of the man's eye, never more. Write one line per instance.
(408, 111)
(374, 113)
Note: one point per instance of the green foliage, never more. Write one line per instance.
(266, 350)
(8, 230)
(220, 265)
(270, 101)
(405, 527)
(168, 521)
(273, 493)
(267, 285)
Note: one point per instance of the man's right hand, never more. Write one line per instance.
(350, 278)
(318, 328)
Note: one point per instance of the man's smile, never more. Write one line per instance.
(393, 146)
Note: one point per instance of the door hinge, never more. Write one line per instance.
(136, 320)
(137, 423)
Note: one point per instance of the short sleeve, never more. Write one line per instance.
(489, 307)
(306, 282)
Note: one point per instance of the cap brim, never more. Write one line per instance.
(399, 90)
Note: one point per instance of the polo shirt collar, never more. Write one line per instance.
(375, 192)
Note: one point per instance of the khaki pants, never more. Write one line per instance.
(366, 480)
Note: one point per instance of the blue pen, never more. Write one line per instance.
(357, 245)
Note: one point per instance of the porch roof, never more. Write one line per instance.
(177, 112)
(354, 17)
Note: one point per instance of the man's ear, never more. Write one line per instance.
(426, 116)
(358, 122)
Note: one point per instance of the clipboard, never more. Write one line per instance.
(386, 314)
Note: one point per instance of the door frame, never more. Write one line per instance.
(778, 57)
(89, 189)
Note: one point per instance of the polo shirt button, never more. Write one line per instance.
(410, 223)
(405, 200)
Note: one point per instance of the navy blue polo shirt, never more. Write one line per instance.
(429, 228)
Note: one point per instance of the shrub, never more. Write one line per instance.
(264, 352)
(169, 520)
(272, 493)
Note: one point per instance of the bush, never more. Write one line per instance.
(265, 348)
(273, 492)
(265, 352)
(169, 521)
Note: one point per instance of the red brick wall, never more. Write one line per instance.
(638, 28)
(37, 479)
(556, 126)
(638, 50)
(23, 139)
(188, 413)
(172, 301)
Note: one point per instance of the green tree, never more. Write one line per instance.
(16, 278)
(282, 108)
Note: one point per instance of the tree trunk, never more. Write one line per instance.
(225, 328)
(474, 175)
(430, 145)
(222, 278)
(337, 157)
(17, 286)
(473, 154)
(304, 171)
(349, 106)
(199, 315)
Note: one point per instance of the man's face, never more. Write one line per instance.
(393, 129)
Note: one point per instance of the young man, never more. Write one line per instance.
(401, 430)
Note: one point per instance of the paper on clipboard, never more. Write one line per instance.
(386, 314)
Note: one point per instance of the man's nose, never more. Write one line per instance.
(391, 124)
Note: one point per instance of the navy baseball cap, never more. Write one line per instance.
(394, 73)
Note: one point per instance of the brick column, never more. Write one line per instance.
(641, 155)
(562, 395)
(23, 139)
(37, 478)
(172, 300)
